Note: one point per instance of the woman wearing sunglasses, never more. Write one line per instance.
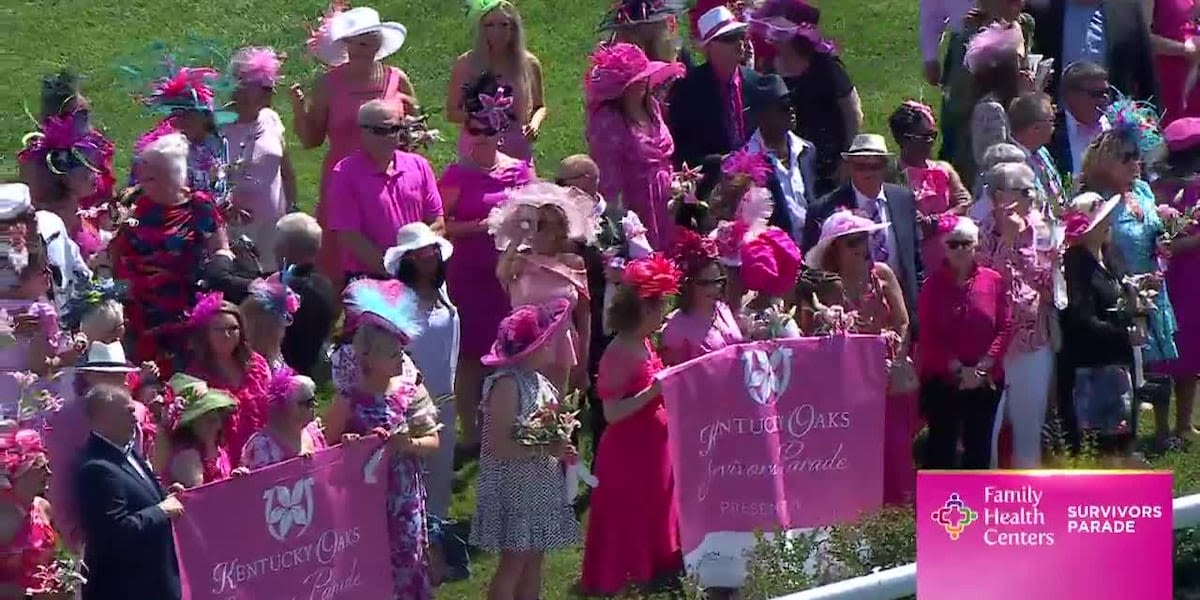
(291, 429)
(935, 184)
(703, 322)
(1112, 167)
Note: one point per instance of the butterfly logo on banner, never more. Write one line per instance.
(767, 375)
(289, 511)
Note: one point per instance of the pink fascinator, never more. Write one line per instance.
(946, 223)
(276, 297)
(614, 67)
(745, 168)
(495, 109)
(208, 305)
(287, 386)
(516, 219)
(753, 213)
(257, 65)
(771, 263)
(994, 45)
(320, 43)
(1075, 225)
(653, 278)
(63, 143)
(189, 87)
(20, 450)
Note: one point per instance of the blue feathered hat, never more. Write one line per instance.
(389, 304)
(1137, 123)
(87, 295)
(276, 296)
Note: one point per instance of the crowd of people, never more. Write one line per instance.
(171, 332)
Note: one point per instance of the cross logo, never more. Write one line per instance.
(954, 516)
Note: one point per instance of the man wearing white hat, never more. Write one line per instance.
(710, 105)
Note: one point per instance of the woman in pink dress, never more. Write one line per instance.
(222, 357)
(1174, 25)
(198, 432)
(627, 136)
(470, 189)
(537, 228)
(500, 51)
(871, 294)
(292, 428)
(633, 533)
(935, 183)
(27, 536)
(353, 43)
(703, 323)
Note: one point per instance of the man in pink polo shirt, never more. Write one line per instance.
(379, 189)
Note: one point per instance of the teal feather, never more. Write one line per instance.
(1137, 122)
(388, 302)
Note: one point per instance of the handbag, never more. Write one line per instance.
(1103, 398)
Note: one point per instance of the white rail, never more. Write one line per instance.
(901, 581)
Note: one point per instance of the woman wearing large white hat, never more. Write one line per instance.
(353, 43)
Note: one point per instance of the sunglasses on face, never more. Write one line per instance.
(1097, 94)
(927, 137)
(384, 129)
(309, 402)
(714, 282)
(958, 244)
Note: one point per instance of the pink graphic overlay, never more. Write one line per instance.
(1067, 535)
(785, 434)
(305, 528)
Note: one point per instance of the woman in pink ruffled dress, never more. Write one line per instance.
(356, 76)
(703, 323)
(935, 183)
(27, 536)
(292, 428)
(627, 136)
(470, 188)
(536, 228)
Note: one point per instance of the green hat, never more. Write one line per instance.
(198, 399)
(476, 9)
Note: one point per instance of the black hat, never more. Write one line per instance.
(768, 91)
(632, 12)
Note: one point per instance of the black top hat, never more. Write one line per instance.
(769, 91)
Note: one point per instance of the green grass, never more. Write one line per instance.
(879, 42)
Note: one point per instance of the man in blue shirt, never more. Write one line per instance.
(1114, 34)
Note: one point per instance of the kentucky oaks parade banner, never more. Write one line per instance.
(785, 434)
(305, 528)
(1067, 535)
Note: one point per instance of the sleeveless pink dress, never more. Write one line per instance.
(343, 133)
(543, 279)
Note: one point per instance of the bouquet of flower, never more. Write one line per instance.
(416, 133)
(552, 422)
(770, 323)
(62, 577)
(1175, 222)
(834, 319)
(1142, 290)
(683, 187)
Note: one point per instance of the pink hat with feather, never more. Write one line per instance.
(994, 45)
(257, 65)
(617, 66)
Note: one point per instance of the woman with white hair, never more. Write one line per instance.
(998, 154)
(161, 250)
(966, 324)
(292, 428)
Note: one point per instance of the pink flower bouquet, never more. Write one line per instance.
(552, 422)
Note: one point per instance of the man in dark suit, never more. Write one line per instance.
(1085, 95)
(1112, 33)
(709, 108)
(126, 515)
(868, 159)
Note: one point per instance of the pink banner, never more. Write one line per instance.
(785, 434)
(312, 528)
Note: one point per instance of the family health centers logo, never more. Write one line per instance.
(954, 516)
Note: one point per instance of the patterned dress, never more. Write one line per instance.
(1136, 236)
(520, 504)
(162, 258)
(406, 486)
(264, 449)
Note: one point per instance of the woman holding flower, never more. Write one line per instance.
(1112, 165)
(388, 400)
(703, 323)
(198, 454)
(28, 541)
(521, 506)
(292, 428)
(632, 534)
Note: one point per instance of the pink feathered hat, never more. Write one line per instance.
(257, 65)
(770, 263)
(617, 66)
(525, 330)
(993, 45)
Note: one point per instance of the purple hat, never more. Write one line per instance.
(778, 21)
(525, 330)
(1182, 134)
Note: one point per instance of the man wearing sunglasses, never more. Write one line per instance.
(1086, 92)
(379, 189)
(1031, 117)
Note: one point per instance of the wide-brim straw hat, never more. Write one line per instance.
(839, 224)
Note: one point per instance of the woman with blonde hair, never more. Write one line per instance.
(500, 50)
(268, 312)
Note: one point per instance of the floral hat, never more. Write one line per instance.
(388, 304)
(770, 263)
(617, 66)
(86, 295)
(526, 329)
(517, 215)
(194, 399)
(276, 296)
(257, 65)
(20, 451)
(746, 168)
(840, 224)
(652, 278)
(625, 13)
(1085, 212)
(64, 143)
(1136, 122)
(185, 80)
(754, 211)
(692, 252)
(993, 45)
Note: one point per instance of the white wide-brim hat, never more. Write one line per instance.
(839, 224)
(718, 22)
(357, 21)
(413, 237)
(106, 358)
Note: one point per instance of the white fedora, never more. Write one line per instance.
(717, 22)
(357, 21)
(411, 237)
(867, 144)
(106, 358)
